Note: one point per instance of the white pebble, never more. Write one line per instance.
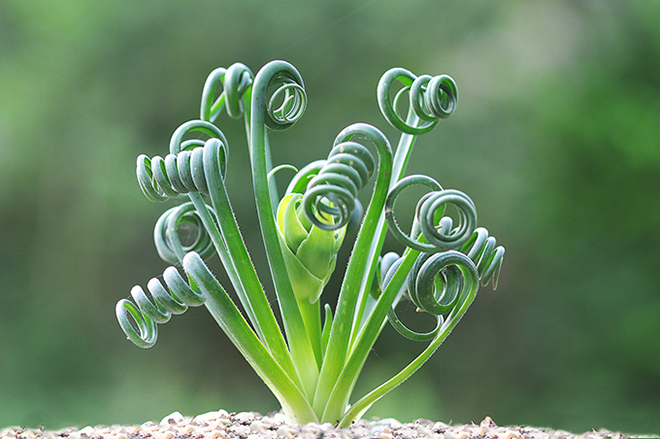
(81, 434)
(240, 430)
(149, 426)
(244, 417)
(174, 418)
(207, 417)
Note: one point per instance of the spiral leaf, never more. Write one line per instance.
(166, 234)
(178, 174)
(286, 105)
(333, 191)
(173, 298)
(303, 352)
(177, 144)
(435, 285)
(411, 334)
(430, 100)
(463, 273)
(393, 225)
(235, 81)
(485, 253)
(287, 99)
(444, 236)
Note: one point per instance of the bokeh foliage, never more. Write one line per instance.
(556, 138)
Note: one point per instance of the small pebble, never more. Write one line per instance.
(174, 418)
(206, 417)
(244, 418)
(488, 423)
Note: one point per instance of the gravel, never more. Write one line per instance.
(250, 425)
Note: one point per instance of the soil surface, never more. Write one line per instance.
(248, 425)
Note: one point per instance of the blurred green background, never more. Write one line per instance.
(556, 138)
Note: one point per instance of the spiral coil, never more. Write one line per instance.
(332, 193)
(437, 284)
(438, 230)
(444, 235)
(178, 174)
(174, 297)
(430, 99)
(278, 97)
(235, 82)
(432, 290)
(166, 234)
(286, 105)
(486, 254)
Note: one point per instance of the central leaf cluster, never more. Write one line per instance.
(310, 253)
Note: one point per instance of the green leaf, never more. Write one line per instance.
(317, 252)
(292, 230)
(305, 285)
(310, 253)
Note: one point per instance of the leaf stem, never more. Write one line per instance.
(237, 256)
(468, 294)
(297, 336)
(400, 161)
(239, 332)
(342, 324)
